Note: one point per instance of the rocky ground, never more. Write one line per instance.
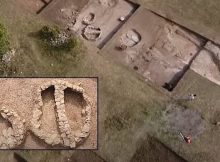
(26, 108)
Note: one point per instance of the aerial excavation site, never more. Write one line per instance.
(109, 81)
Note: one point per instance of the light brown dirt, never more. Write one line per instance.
(207, 63)
(162, 54)
(74, 104)
(20, 95)
(71, 14)
(53, 11)
(32, 5)
(49, 115)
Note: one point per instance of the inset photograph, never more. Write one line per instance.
(48, 113)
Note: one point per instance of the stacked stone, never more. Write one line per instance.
(63, 123)
(86, 113)
(92, 33)
(13, 136)
(61, 39)
(89, 19)
(67, 137)
(51, 139)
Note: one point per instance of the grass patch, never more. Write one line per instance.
(146, 113)
(54, 39)
(36, 57)
(151, 149)
(49, 33)
(119, 121)
(4, 43)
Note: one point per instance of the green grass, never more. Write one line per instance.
(48, 34)
(4, 43)
(60, 156)
(152, 150)
(121, 91)
(32, 57)
(205, 147)
(207, 102)
(124, 95)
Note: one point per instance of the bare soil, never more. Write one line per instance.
(164, 52)
(32, 5)
(53, 12)
(106, 16)
(74, 104)
(207, 63)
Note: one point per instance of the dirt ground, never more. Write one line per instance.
(32, 5)
(20, 95)
(207, 63)
(199, 15)
(71, 15)
(53, 12)
(163, 51)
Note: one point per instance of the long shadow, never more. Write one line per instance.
(177, 77)
(153, 150)
(118, 27)
(44, 6)
(18, 158)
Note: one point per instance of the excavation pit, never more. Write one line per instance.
(101, 14)
(74, 104)
(157, 49)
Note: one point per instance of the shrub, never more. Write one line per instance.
(49, 33)
(4, 43)
(70, 44)
(58, 40)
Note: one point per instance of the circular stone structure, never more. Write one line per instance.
(108, 3)
(92, 33)
(89, 19)
(130, 38)
(14, 135)
(66, 137)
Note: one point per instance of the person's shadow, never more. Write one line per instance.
(18, 158)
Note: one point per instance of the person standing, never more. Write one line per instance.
(192, 97)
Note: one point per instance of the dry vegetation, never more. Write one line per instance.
(129, 107)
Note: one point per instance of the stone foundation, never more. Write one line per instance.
(13, 136)
(67, 137)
